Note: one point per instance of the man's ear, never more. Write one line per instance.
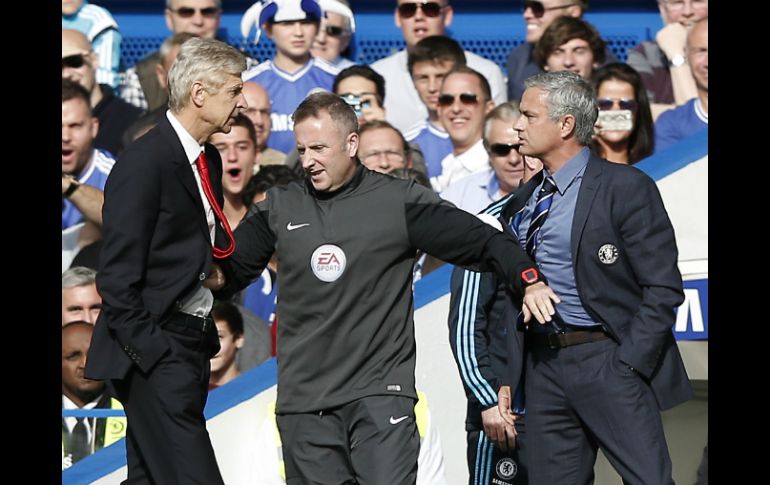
(352, 141)
(198, 93)
(567, 127)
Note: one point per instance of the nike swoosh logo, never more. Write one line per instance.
(290, 227)
(396, 421)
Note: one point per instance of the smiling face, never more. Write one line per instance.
(537, 25)
(419, 25)
(327, 154)
(463, 121)
(239, 155)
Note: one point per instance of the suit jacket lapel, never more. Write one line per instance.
(185, 175)
(588, 189)
(520, 196)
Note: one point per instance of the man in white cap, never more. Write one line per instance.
(337, 28)
(293, 73)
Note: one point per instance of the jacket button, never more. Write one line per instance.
(202, 276)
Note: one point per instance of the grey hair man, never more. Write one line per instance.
(602, 238)
(163, 225)
(79, 298)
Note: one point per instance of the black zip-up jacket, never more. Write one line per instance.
(345, 307)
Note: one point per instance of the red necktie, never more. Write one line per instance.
(203, 171)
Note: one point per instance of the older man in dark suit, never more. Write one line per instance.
(598, 373)
(162, 216)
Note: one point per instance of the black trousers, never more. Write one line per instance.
(583, 397)
(370, 441)
(166, 439)
(489, 465)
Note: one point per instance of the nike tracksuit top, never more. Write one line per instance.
(345, 305)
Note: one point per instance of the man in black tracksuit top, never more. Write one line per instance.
(346, 242)
(482, 334)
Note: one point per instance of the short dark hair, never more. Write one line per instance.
(436, 48)
(340, 112)
(382, 124)
(72, 90)
(229, 313)
(268, 176)
(365, 72)
(244, 122)
(485, 89)
(563, 30)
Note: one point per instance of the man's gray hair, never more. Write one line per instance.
(173, 41)
(77, 276)
(568, 93)
(207, 60)
(507, 112)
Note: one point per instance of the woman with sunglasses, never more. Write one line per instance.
(624, 130)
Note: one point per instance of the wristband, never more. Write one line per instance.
(74, 185)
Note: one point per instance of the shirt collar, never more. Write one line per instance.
(189, 144)
(493, 186)
(475, 157)
(564, 177)
(66, 403)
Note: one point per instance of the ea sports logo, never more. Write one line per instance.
(328, 262)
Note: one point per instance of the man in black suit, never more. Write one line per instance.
(154, 337)
(598, 374)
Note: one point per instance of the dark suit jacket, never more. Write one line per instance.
(156, 250)
(634, 296)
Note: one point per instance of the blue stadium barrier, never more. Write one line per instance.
(111, 458)
(491, 35)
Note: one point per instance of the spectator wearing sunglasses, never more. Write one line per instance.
(293, 72)
(537, 16)
(661, 63)
(333, 38)
(463, 103)
(501, 142)
(431, 59)
(619, 90)
(677, 124)
(418, 20)
(570, 44)
(79, 63)
(97, 24)
(198, 17)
